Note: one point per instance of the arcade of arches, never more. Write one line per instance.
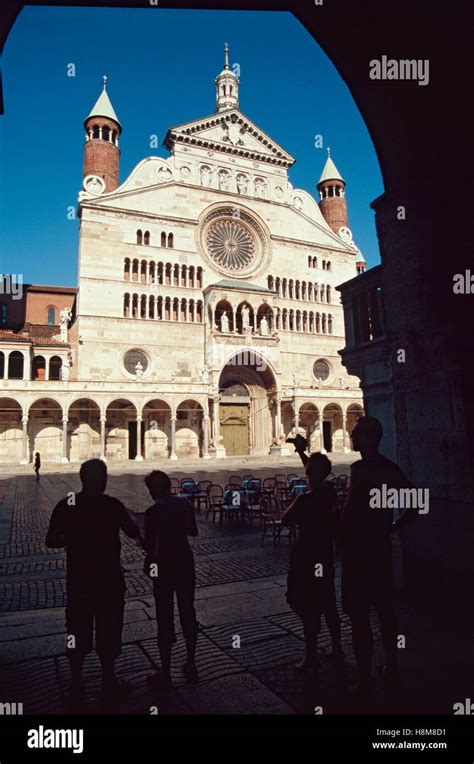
(247, 418)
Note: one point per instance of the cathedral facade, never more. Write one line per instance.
(206, 322)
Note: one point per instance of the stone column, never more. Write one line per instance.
(296, 418)
(64, 458)
(234, 320)
(321, 433)
(205, 433)
(278, 418)
(344, 433)
(102, 438)
(46, 368)
(139, 457)
(25, 455)
(26, 366)
(173, 455)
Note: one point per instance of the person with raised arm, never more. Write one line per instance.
(311, 590)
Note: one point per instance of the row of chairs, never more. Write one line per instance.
(250, 497)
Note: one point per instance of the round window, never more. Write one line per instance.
(321, 370)
(132, 360)
(233, 241)
(230, 244)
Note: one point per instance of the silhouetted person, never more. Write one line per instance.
(311, 592)
(37, 465)
(367, 551)
(170, 564)
(88, 524)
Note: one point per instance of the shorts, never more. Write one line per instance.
(106, 612)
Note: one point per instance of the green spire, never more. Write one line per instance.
(103, 106)
(330, 171)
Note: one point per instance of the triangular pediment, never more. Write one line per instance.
(230, 132)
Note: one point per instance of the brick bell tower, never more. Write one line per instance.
(332, 194)
(101, 149)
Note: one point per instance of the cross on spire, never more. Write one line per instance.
(105, 78)
(226, 49)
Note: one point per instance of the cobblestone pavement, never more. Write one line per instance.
(240, 592)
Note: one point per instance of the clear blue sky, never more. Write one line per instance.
(161, 66)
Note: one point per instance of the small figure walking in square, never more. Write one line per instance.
(37, 464)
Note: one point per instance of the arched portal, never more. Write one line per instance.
(45, 430)
(333, 439)
(189, 429)
(247, 385)
(156, 425)
(11, 436)
(84, 430)
(309, 423)
(353, 413)
(121, 431)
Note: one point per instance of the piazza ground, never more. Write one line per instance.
(240, 592)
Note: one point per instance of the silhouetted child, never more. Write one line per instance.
(311, 591)
(88, 524)
(37, 465)
(168, 524)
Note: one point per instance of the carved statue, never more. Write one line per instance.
(139, 371)
(65, 368)
(224, 181)
(205, 375)
(64, 318)
(224, 323)
(264, 329)
(295, 379)
(259, 187)
(205, 177)
(242, 184)
(245, 318)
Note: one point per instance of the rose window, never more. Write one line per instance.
(230, 244)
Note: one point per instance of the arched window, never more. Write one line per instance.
(199, 311)
(328, 294)
(126, 306)
(199, 277)
(135, 270)
(95, 131)
(328, 265)
(330, 324)
(106, 133)
(143, 306)
(139, 237)
(146, 237)
(135, 306)
(55, 364)
(171, 240)
(51, 316)
(143, 272)
(126, 269)
(114, 138)
(163, 239)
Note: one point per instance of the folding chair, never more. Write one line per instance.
(201, 494)
(216, 497)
